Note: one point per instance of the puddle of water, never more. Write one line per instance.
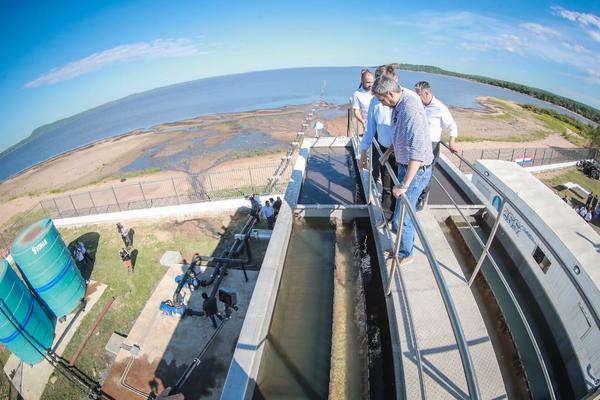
(241, 143)
(330, 177)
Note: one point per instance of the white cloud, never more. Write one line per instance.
(541, 30)
(590, 23)
(512, 43)
(160, 48)
(552, 43)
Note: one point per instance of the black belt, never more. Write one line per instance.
(422, 167)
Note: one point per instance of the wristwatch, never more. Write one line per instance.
(403, 186)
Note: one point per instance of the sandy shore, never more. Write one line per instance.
(216, 143)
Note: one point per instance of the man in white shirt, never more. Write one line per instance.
(362, 97)
(438, 118)
(379, 125)
(268, 214)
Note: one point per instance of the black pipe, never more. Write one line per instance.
(191, 268)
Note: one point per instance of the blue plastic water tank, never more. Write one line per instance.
(47, 265)
(24, 326)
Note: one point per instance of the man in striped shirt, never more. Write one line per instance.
(412, 148)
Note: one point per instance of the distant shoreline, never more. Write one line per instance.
(157, 128)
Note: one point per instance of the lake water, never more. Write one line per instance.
(225, 94)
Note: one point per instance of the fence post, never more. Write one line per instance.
(534, 157)
(45, 213)
(498, 154)
(175, 190)
(73, 204)
(252, 180)
(143, 194)
(57, 209)
(512, 156)
(551, 153)
(93, 203)
(210, 183)
(543, 157)
(116, 200)
(348, 127)
(481, 157)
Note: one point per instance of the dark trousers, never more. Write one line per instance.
(435, 146)
(376, 167)
(214, 320)
(388, 201)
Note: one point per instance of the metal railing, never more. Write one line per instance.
(485, 253)
(535, 230)
(457, 330)
(405, 206)
(192, 188)
(525, 156)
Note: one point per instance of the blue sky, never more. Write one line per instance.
(61, 58)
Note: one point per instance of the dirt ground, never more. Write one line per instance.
(97, 166)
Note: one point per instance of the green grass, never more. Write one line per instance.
(141, 172)
(131, 291)
(575, 176)
(512, 138)
(14, 226)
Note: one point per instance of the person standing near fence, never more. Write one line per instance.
(438, 119)
(414, 155)
(379, 124)
(277, 206)
(268, 214)
(126, 259)
(362, 97)
(124, 234)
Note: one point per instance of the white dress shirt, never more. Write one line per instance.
(379, 120)
(439, 118)
(361, 101)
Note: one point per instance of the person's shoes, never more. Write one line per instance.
(406, 261)
(421, 203)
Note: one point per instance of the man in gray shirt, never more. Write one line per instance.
(412, 148)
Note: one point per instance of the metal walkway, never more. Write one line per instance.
(442, 349)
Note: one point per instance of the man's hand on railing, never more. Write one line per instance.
(363, 159)
(399, 190)
(452, 145)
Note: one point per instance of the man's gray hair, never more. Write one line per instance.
(383, 85)
(422, 86)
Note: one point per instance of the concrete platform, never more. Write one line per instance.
(424, 332)
(168, 345)
(30, 381)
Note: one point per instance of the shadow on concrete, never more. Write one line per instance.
(90, 240)
(194, 342)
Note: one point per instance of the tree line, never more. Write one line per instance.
(591, 133)
(584, 110)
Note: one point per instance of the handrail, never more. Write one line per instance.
(441, 283)
(520, 312)
(539, 235)
(459, 336)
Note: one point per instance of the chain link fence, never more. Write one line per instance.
(526, 156)
(192, 188)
